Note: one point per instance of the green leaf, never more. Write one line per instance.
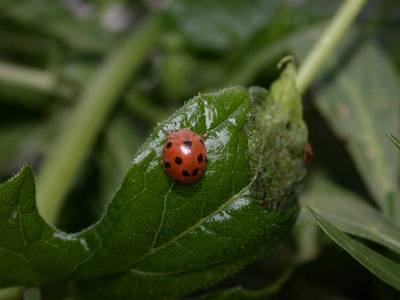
(27, 243)
(350, 213)
(361, 108)
(384, 268)
(222, 24)
(159, 238)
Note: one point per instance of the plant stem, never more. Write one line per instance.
(71, 148)
(327, 42)
(27, 77)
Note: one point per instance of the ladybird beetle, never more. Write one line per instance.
(184, 156)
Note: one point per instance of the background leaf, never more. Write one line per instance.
(360, 110)
(349, 213)
(84, 33)
(220, 24)
(382, 267)
(11, 138)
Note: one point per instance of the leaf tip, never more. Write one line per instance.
(287, 61)
(25, 171)
(393, 139)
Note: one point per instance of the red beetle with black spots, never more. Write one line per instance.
(184, 156)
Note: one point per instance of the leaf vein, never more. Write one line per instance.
(165, 198)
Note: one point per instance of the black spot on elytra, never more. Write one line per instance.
(167, 164)
(187, 143)
(178, 160)
(185, 173)
(200, 158)
(195, 172)
(168, 145)
(201, 141)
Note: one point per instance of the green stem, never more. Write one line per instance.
(27, 77)
(327, 43)
(72, 147)
(43, 81)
